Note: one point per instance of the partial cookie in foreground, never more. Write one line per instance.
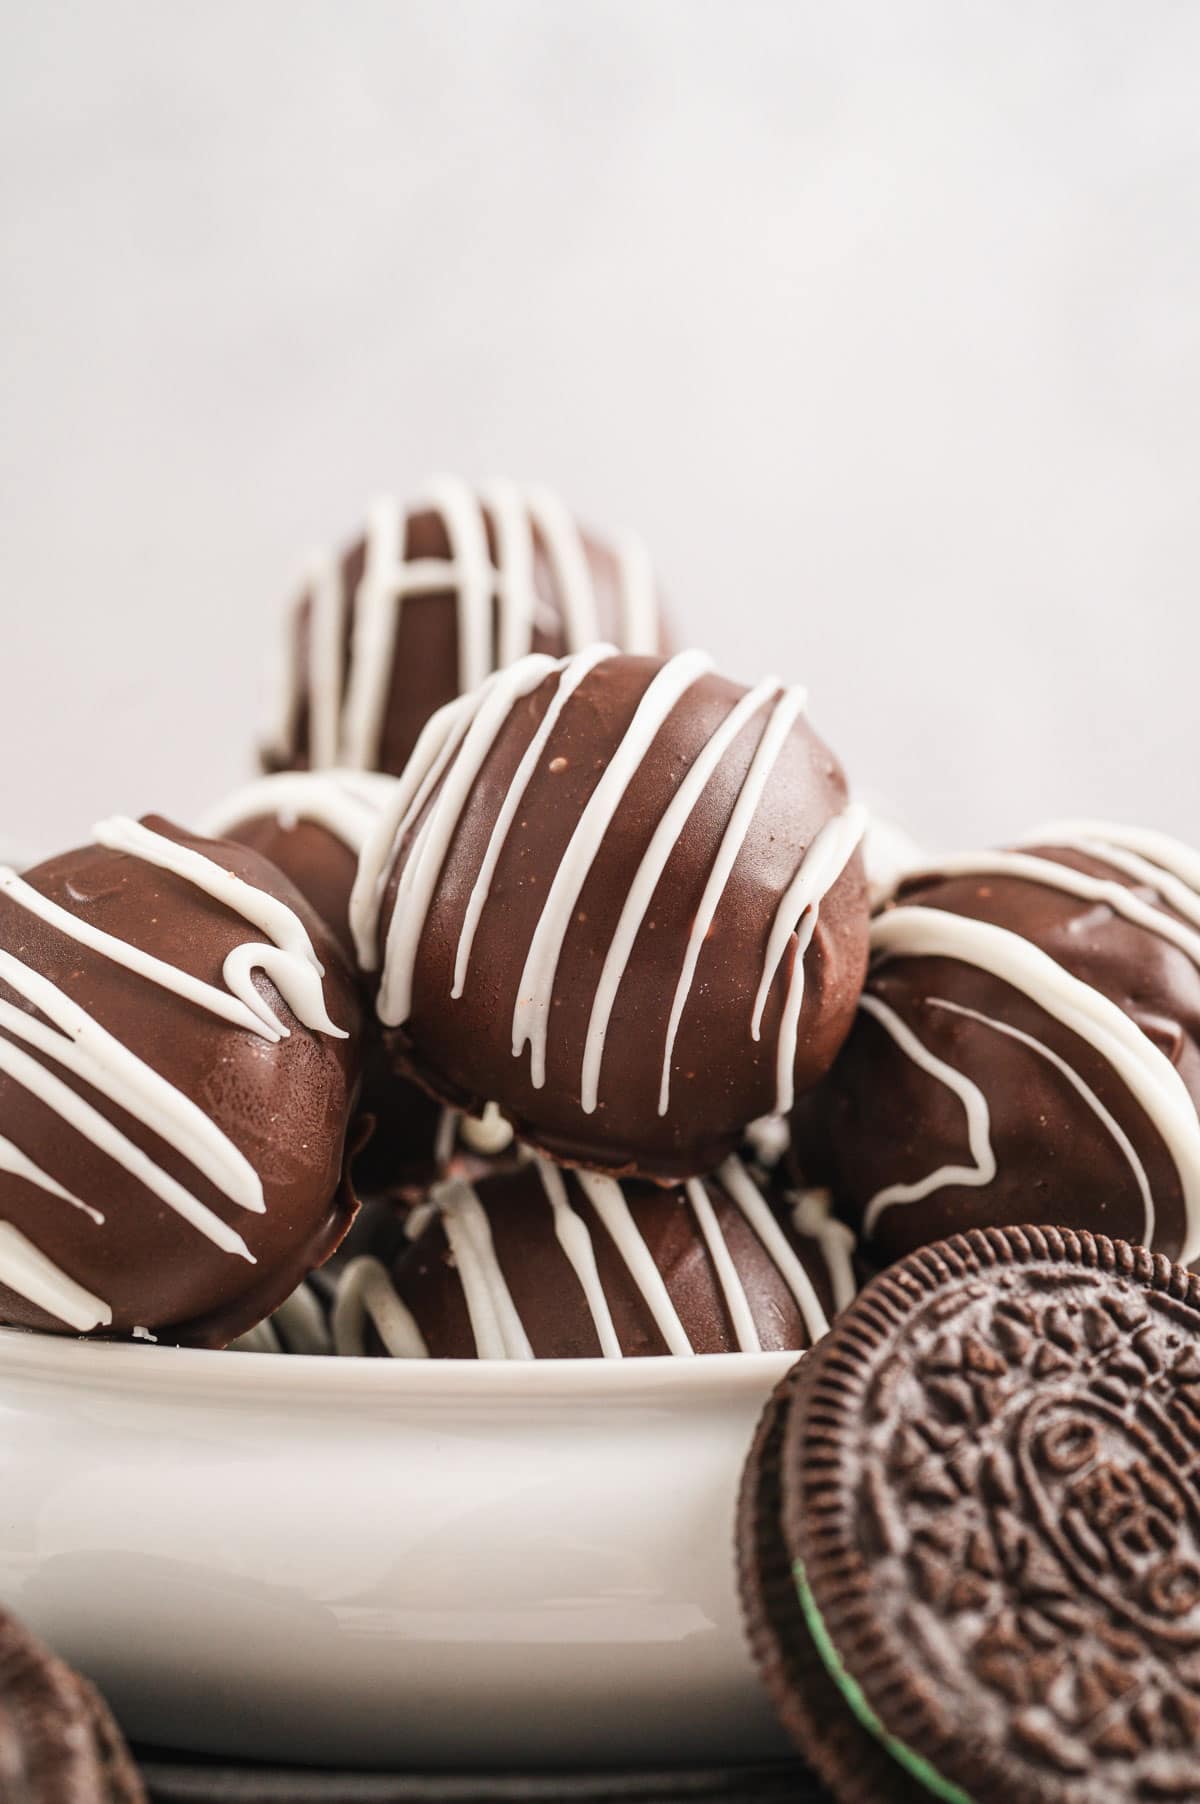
(969, 1534)
(431, 599)
(539, 1263)
(179, 1059)
(58, 1741)
(621, 898)
(1027, 1045)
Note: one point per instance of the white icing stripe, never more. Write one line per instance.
(1179, 861)
(535, 990)
(86, 1060)
(27, 1271)
(290, 962)
(168, 977)
(978, 1114)
(514, 577)
(375, 618)
(571, 675)
(820, 868)
(563, 545)
(1051, 875)
(495, 1323)
(787, 710)
(300, 1323)
(463, 520)
(1173, 890)
(607, 1199)
(753, 1205)
(1148, 1074)
(1106, 1118)
(975, 1107)
(572, 1235)
(14, 1161)
(423, 865)
(91, 1053)
(812, 1216)
(324, 661)
(638, 594)
(346, 803)
(447, 1132)
(366, 1294)
(649, 872)
(440, 738)
(734, 1291)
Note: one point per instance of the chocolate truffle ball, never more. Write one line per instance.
(179, 1051)
(622, 899)
(1026, 1049)
(433, 597)
(541, 1263)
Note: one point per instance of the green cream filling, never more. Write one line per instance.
(852, 1691)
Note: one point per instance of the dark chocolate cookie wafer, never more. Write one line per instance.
(58, 1742)
(970, 1530)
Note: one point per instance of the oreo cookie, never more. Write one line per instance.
(58, 1742)
(969, 1532)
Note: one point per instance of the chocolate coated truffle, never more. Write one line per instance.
(179, 1053)
(540, 1263)
(430, 600)
(622, 899)
(1026, 1050)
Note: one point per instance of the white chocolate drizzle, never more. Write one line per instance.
(789, 707)
(64, 1034)
(425, 809)
(820, 868)
(347, 803)
(754, 1206)
(531, 1016)
(26, 1270)
(1138, 1063)
(641, 892)
(497, 607)
(495, 1323)
(813, 1217)
(576, 1243)
(367, 1294)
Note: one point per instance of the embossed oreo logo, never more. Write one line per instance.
(1115, 1513)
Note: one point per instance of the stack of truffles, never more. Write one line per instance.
(553, 950)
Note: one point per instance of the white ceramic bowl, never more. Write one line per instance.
(385, 1562)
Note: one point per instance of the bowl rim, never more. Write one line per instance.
(245, 1378)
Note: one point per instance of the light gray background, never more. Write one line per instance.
(881, 320)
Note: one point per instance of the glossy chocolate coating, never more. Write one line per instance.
(549, 1298)
(722, 1077)
(423, 670)
(285, 1106)
(880, 1119)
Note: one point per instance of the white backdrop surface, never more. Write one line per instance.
(881, 320)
